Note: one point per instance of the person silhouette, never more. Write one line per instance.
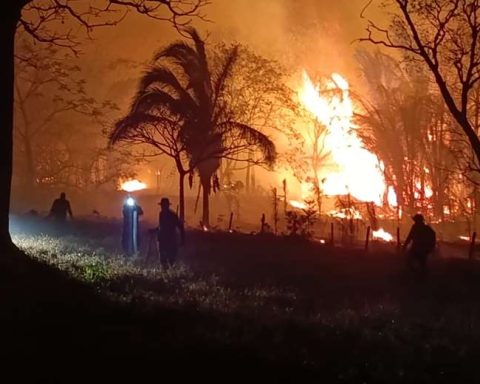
(130, 234)
(168, 223)
(423, 240)
(60, 209)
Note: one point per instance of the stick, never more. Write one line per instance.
(230, 222)
(399, 244)
(367, 238)
(262, 228)
(472, 246)
(331, 234)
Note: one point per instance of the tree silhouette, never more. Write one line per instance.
(181, 82)
(445, 37)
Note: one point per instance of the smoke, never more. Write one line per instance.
(315, 35)
(312, 34)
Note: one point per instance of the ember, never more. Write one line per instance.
(381, 234)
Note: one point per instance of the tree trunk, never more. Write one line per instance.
(247, 178)
(30, 173)
(8, 20)
(181, 195)
(205, 203)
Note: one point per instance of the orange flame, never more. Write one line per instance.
(132, 186)
(351, 168)
(297, 204)
(381, 234)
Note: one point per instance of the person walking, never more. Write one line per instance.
(423, 240)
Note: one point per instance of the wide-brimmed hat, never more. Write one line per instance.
(418, 218)
(164, 202)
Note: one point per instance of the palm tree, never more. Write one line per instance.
(182, 82)
(161, 133)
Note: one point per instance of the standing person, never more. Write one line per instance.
(423, 239)
(130, 234)
(168, 223)
(60, 208)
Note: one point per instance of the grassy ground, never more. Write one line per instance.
(261, 307)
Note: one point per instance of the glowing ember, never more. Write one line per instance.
(381, 234)
(427, 190)
(466, 238)
(346, 214)
(132, 186)
(392, 197)
(297, 204)
(351, 168)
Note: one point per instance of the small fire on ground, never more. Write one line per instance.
(297, 204)
(132, 186)
(381, 234)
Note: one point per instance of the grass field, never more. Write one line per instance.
(280, 309)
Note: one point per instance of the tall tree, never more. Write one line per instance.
(444, 36)
(43, 20)
(397, 116)
(49, 87)
(182, 82)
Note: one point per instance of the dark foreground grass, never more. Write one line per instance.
(262, 308)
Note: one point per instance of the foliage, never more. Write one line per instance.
(443, 37)
(405, 123)
(327, 312)
(300, 223)
(54, 113)
(214, 106)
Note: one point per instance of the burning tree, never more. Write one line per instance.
(51, 21)
(399, 119)
(444, 36)
(182, 82)
(337, 161)
(309, 152)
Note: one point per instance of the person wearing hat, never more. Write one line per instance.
(168, 223)
(423, 240)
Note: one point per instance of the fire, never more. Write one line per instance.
(392, 197)
(297, 204)
(381, 234)
(351, 168)
(132, 186)
(427, 189)
(347, 213)
(465, 238)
